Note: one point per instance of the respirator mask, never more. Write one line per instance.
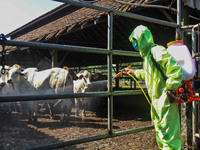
(135, 45)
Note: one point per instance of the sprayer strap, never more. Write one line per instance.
(157, 66)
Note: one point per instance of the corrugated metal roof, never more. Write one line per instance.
(195, 4)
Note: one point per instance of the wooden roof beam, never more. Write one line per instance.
(167, 15)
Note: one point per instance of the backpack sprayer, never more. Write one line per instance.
(189, 89)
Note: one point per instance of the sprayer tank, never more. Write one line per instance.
(181, 54)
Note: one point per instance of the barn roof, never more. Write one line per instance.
(73, 25)
(64, 19)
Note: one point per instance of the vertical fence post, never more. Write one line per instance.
(194, 50)
(194, 106)
(109, 59)
(178, 31)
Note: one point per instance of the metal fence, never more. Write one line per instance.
(195, 106)
(109, 52)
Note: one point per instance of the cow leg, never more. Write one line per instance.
(30, 112)
(77, 106)
(32, 108)
(66, 106)
(18, 107)
(69, 108)
(6, 112)
(24, 109)
(10, 110)
(84, 104)
(62, 113)
(35, 109)
(83, 114)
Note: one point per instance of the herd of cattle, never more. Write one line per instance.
(18, 81)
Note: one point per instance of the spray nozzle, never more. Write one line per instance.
(117, 75)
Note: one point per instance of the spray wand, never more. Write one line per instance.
(117, 75)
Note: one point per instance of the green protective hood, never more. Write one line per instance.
(144, 39)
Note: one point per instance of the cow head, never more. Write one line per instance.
(15, 76)
(87, 77)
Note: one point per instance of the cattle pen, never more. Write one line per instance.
(110, 52)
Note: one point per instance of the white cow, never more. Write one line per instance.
(85, 84)
(53, 81)
(6, 107)
(3, 77)
(80, 86)
(17, 85)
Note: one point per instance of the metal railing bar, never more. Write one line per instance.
(190, 26)
(57, 47)
(126, 53)
(120, 13)
(187, 27)
(196, 25)
(130, 131)
(90, 139)
(69, 48)
(145, 5)
(67, 95)
(126, 92)
(52, 96)
(110, 78)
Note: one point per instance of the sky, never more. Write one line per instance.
(16, 13)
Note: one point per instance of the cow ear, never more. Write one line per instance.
(66, 68)
(23, 76)
(95, 76)
(22, 69)
(80, 77)
(7, 74)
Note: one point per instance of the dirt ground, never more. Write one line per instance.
(17, 134)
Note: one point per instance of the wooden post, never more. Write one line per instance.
(54, 58)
